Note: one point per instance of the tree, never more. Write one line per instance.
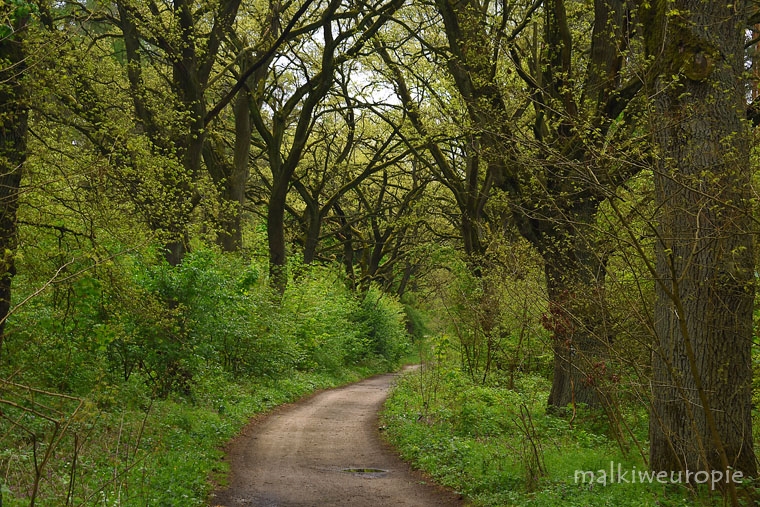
(556, 185)
(459, 169)
(189, 48)
(158, 58)
(14, 117)
(701, 411)
(385, 224)
(350, 144)
(454, 159)
(230, 174)
(300, 78)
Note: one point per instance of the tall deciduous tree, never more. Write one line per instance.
(300, 78)
(456, 162)
(701, 412)
(188, 41)
(468, 185)
(350, 143)
(230, 174)
(385, 224)
(555, 190)
(14, 115)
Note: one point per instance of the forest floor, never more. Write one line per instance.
(326, 450)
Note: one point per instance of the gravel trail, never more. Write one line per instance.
(325, 451)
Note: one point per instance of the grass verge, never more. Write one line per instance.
(500, 447)
(124, 449)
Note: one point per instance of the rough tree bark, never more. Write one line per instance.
(14, 114)
(558, 216)
(701, 409)
(575, 277)
(192, 58)
(231, 175)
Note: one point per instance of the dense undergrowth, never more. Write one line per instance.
(122, 383)
(497, 445)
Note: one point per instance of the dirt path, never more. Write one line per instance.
(300, 456)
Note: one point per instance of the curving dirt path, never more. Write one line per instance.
(300, 456)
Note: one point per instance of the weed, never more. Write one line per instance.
(499, 446)
(124, 393)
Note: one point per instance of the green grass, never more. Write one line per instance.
(125, 391)
(134, 451)
(499, 447)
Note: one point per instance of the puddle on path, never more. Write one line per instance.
(366, 472)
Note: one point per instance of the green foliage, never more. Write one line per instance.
(14, 12)
(318, 310)
(147, 369)
(168, 324)
(499, 446)
(218, 314)
(416, 322)
(380, 320)
(494, 314)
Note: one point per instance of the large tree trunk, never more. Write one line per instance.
(278, 277)
(312, 230)
(575, 283)
(577, 342)
(701, 409)
(230, 177)
(231, 236)
(232, 194)
(14, 115)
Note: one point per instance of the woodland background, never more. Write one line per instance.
(208, 208)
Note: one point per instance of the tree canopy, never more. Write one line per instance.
(577, 172)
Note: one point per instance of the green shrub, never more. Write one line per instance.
(416, 323)
(168, 363)
(380, 320)
(500, 447)
(315, 315)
